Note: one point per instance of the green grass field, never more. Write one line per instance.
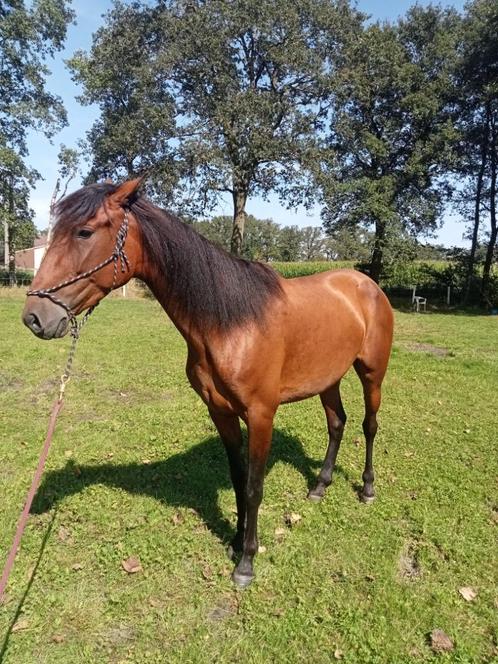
(136, 469)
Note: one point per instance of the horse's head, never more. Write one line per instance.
(92, 231)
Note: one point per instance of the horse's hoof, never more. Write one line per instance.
(314, 497)
(366, 499)
(242, 580)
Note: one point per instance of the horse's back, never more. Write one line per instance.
(351, 287)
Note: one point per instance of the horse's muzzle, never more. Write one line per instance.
(45, 318)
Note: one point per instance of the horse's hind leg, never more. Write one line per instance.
(371, 381)
(336, 420)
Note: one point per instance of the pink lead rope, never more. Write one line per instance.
(31, 494)
(56, 408)
(118, 254)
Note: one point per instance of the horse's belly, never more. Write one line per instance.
(307, 378)
(321, 346)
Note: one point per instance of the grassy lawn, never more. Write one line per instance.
(136, 469)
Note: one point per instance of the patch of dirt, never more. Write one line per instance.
(10, 382)
(408, 565)
(137, 396)
(226, 608)
(119, 635)
(438, 351)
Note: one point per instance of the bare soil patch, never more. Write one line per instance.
(428, 348)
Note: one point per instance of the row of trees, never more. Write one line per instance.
(380, 123)
(266, 240)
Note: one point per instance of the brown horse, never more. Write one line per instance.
(254, 340)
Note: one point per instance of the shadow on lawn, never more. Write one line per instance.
(188, 479)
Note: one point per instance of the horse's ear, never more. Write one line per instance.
(126, 192)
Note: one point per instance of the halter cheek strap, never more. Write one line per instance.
(119, 254)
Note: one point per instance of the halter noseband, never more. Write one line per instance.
(118, 254)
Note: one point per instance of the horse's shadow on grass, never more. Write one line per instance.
(190, 479)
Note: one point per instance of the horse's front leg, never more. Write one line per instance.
(260, 425)
(229, 429)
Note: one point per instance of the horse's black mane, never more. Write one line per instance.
(208, 284)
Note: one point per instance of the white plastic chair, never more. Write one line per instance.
(418, 301)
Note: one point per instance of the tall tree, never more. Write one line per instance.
(312, 243)
(349, 244)
(389, 128)
(28, 36)
(480, 88)
(289, 243)
(18, 230)
(247, 80)
(476, 117)
(493, 222)
(261, 239)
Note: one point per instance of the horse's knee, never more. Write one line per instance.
(336, 425)
(370, 426)
(254, 495)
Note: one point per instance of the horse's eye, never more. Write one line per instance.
(84, 233)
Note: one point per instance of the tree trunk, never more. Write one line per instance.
(239, 220)
(10, 255)
(486, 271)
(6, 244)
(12, 271)
(378, 250)
(477, 215)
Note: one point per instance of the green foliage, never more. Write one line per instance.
(476, 116)
(137, 469)
(289, 243)
(349, 243)
(15, 212)
(225, 96)
(300, 269)
(266, 240)
(23, 277)
(390, 127)
(122, 77)
(68, 159)
(28, 36)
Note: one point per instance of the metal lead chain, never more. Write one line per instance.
(75, 335)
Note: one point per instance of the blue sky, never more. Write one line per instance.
(43, 153)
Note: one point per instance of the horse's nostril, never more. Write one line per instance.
(61, 327)
(33, 322)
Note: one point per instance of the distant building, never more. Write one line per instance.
(30, 259)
